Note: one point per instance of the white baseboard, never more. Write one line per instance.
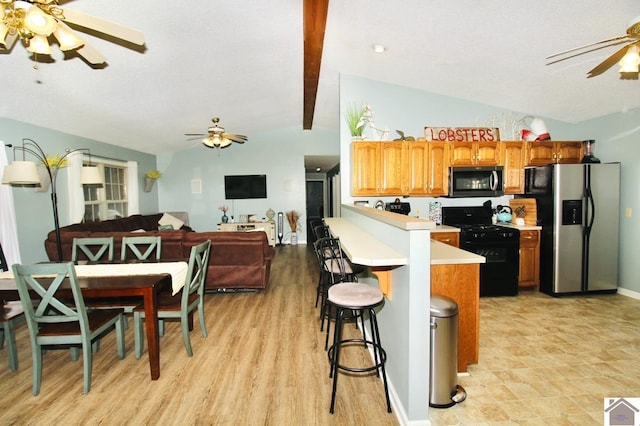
(629, 293)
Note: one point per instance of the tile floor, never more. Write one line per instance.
(549, 361)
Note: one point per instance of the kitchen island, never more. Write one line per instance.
(397, 247)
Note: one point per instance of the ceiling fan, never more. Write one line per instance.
(216, 137)
(628, 56)
(37, 22)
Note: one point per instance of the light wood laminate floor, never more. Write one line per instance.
(542, 361)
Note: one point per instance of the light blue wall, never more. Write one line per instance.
(278, 154)
(409, 110)
(34, 214)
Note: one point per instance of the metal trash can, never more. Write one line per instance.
(443, 368)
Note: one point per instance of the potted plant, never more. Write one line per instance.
(293, 217)
(150, 178)
(354, 115)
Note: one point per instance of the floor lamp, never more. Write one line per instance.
(26, 173)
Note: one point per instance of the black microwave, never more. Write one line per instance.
(475, 181)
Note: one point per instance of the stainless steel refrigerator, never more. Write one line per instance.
(578, 207)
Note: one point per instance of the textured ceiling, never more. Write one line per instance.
(243, 62)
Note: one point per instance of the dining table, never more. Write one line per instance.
(115, 281)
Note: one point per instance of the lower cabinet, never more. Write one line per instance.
(529, 259)
(451, 238)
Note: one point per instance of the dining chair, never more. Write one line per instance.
(54, 322)
(183, 305)
(11, 312)
(141, 247)
(93, 248)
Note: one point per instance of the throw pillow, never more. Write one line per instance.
(167, 219)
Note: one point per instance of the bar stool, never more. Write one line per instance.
(347, 298)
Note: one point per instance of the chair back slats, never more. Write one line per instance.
(93, 248)
(142, 247)
(332, 263)
(48, 307)
(197, 271)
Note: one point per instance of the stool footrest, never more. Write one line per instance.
(374, 367)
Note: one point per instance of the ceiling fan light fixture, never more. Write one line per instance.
(630, 61)
(38, 22)
(39, 44)
(67, 40)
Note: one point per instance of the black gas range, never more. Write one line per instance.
(499, 245)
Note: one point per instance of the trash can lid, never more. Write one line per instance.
(443, 307)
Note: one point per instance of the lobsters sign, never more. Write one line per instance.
(462, 134)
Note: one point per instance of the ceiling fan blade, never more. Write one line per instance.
(609, 62)
(195, 134)
(103, 26)
(236, 138)
(610, 40)
(9, 41)
(91, 55)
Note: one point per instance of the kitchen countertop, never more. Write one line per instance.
(521, 227)
(445, 228)
(444, 254)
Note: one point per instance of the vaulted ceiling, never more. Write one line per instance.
(245, 63)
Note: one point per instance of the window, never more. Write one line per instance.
(109, 202)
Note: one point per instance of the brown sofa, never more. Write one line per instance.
(238, 261)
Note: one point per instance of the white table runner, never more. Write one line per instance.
(177, 270)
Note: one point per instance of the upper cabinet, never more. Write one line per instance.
(377, 168)
(427, 168)
(540, 153)
(474, 154)
(512, 157)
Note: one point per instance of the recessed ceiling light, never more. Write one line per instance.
(379, 48)
(318, 169)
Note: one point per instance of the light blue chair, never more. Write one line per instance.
(181, 306)
(141, 247)
(93, 248)
(53, 321)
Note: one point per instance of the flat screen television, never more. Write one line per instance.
(240, 187)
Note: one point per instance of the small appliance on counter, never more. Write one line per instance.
(398, 207)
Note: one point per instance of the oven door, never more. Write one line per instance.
(499, 275)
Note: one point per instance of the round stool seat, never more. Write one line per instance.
(354, 295)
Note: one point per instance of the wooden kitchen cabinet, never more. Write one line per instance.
(376, 168)
(427, 168)
(364, 168)
(540, 153)
(451, 238)
(529, 275)
(393, 173)
(512, 158)
(474, 154)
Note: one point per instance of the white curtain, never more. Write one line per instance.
(133, 191)
(76, 195)
(8, 227)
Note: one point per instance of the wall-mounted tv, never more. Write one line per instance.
(240, 187)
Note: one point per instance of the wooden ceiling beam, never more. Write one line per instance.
(314, 22)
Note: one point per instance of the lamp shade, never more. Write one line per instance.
(21, 173)
(39, 44)
(90, 175)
